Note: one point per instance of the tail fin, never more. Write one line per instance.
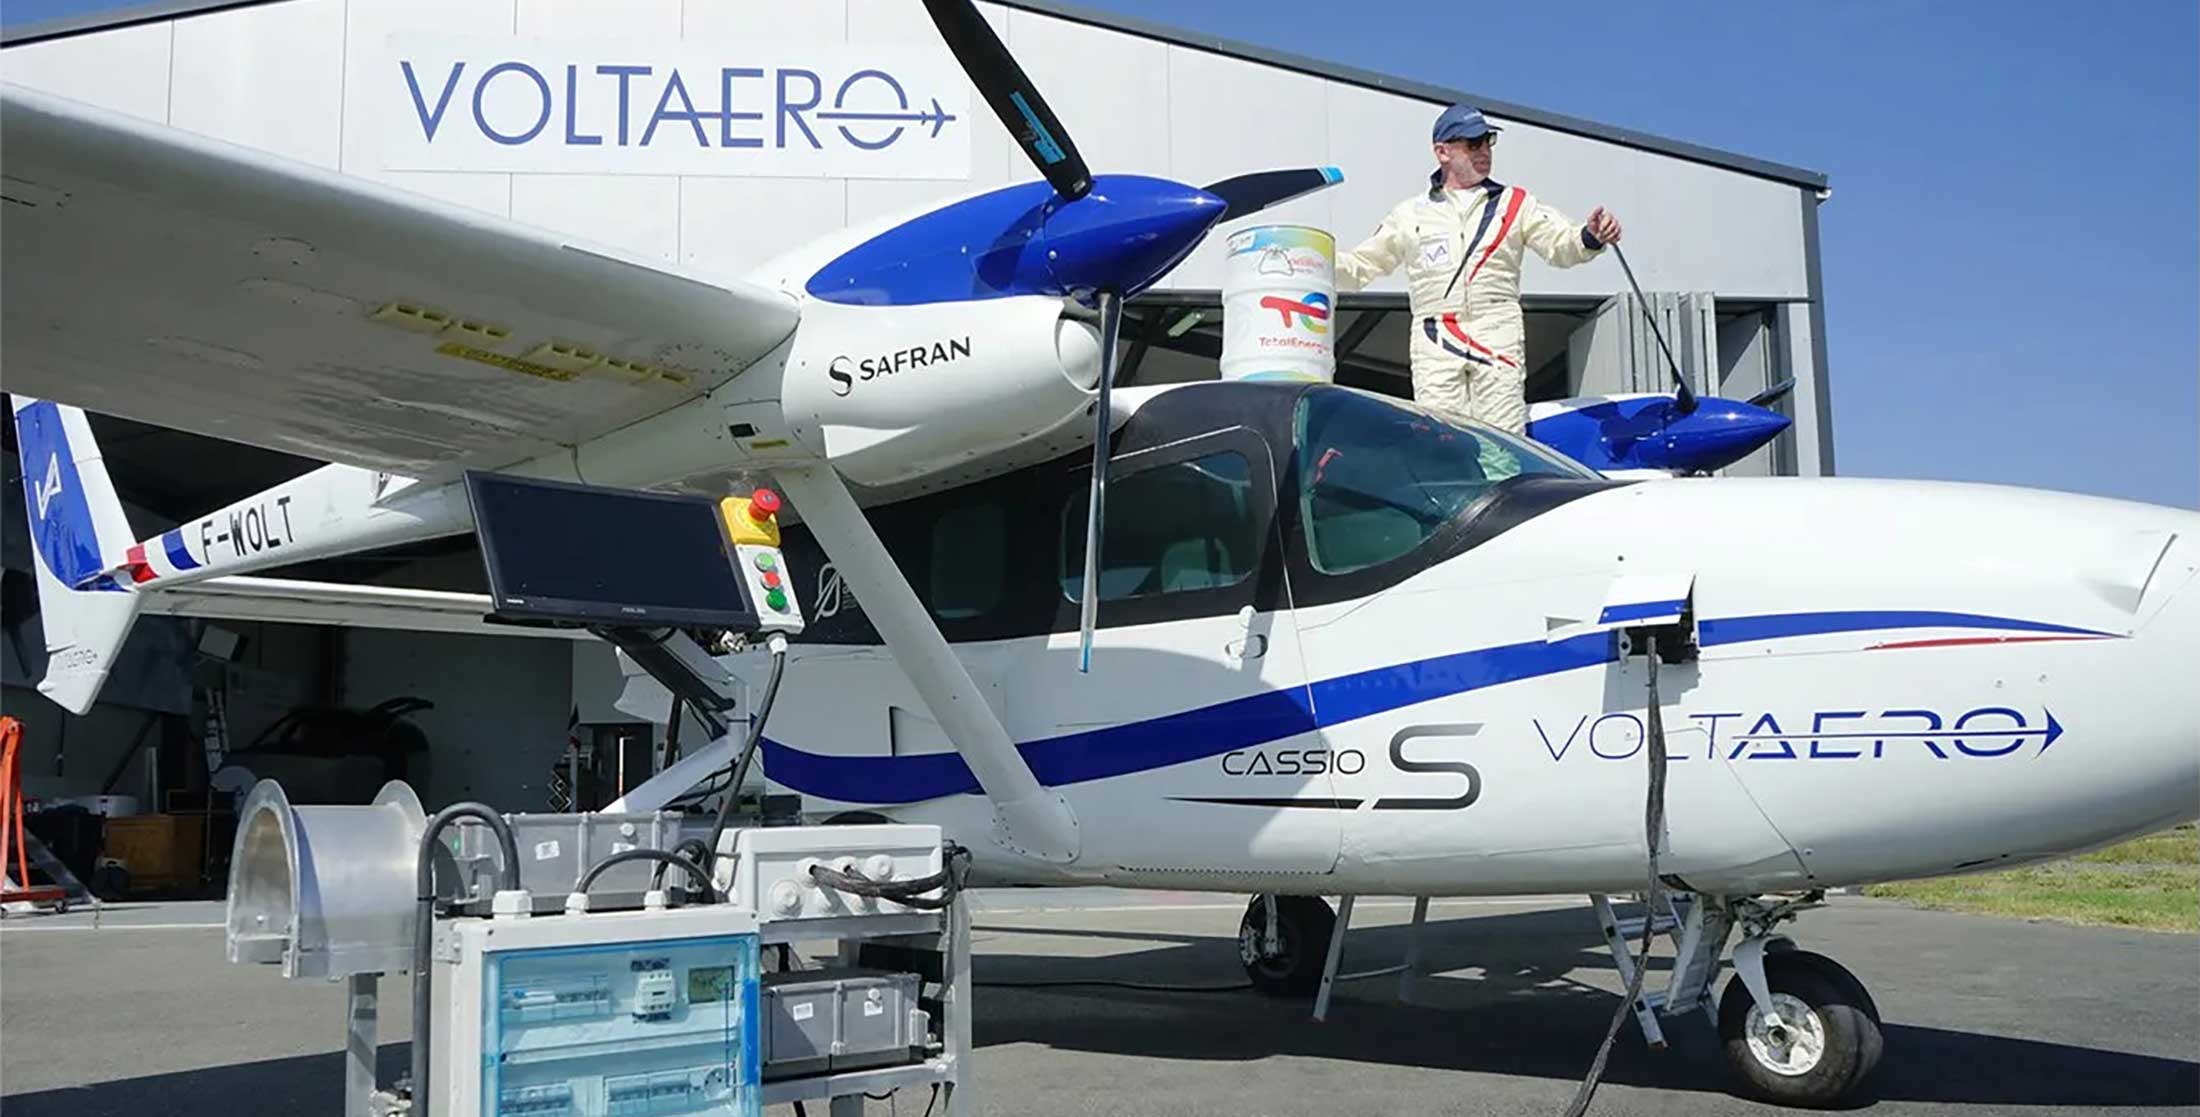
(78, 535)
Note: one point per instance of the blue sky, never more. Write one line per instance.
(2011, 253)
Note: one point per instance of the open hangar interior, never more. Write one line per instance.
(1726, 246)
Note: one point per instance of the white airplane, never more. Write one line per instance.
(1331, 644)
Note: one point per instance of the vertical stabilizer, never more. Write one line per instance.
(78, 534)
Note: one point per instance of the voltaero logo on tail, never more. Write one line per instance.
(49, 488)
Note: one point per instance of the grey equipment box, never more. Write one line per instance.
(832, 1020)
(555, 849)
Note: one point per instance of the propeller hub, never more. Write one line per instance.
(1126, 234)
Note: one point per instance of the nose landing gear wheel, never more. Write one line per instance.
(1291, 966)
(1827, 1040)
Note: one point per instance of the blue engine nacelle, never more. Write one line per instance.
(1650, 432)
(1026, 240)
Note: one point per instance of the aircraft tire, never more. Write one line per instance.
(1830, 1046)
(1304, 925)
(1837, 972)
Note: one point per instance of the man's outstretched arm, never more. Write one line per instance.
(1377, 256)
(1556, 238)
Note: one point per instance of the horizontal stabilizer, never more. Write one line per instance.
(284, 600)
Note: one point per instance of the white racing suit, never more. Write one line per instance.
(1462, 251)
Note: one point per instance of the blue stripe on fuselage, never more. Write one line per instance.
(1271, 716)
(1775, 626)
(1139, 746)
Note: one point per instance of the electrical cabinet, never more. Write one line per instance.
(617, 1014)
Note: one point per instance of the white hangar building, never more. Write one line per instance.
(717, 134)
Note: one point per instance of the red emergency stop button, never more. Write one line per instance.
(763, 505)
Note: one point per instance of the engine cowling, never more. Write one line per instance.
(889, 394)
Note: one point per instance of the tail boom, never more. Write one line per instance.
(93, 581)
(334, 510)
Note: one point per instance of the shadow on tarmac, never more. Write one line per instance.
(1513, 1007)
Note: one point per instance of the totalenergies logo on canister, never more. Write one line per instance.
(1278, 302)
(1309, 312)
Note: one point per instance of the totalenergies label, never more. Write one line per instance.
(1279, 304)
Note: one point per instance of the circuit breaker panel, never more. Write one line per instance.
(659, 1025)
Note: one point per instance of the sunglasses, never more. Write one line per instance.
(1487, 139)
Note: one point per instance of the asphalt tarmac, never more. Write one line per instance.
(142, 1017)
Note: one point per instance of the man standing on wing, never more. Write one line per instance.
(1461, 242)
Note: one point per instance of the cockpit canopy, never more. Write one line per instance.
(1378, 477)
(1221, 496)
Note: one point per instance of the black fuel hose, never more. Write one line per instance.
(423, 1006)
(1653, 820)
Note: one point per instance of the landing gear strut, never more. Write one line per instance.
(1798, 1028)
(1283, 942)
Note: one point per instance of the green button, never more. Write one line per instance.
(777, 599)
(765, 561)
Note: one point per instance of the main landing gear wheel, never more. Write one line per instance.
(1291, 965)
(1827, 1040)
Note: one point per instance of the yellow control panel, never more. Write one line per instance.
(753, 520)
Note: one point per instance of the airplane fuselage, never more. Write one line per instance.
(1886, 684)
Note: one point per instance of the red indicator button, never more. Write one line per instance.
(763, 505)
(771, 579)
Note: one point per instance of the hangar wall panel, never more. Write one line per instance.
(637, 212)
(1689, 227)
(1108, 87)
(312, 79)
(368, 23)
(818, 19)
(992, 152)
(640, 213)
(729, 226)
(1230, 118)
(269, 77)
(125, 70)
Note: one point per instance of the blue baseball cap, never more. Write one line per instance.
(1461, 122)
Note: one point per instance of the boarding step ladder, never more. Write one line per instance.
(1698, 933)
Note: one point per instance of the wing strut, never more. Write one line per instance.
(1030, 817)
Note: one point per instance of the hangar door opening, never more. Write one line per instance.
(1575, 347)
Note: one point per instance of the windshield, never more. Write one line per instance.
(1378, 477)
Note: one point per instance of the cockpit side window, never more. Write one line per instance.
(1184, 525)
(1378, 479)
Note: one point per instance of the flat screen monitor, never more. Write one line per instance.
(585, 554)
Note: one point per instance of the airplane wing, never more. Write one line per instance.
(182, 281)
